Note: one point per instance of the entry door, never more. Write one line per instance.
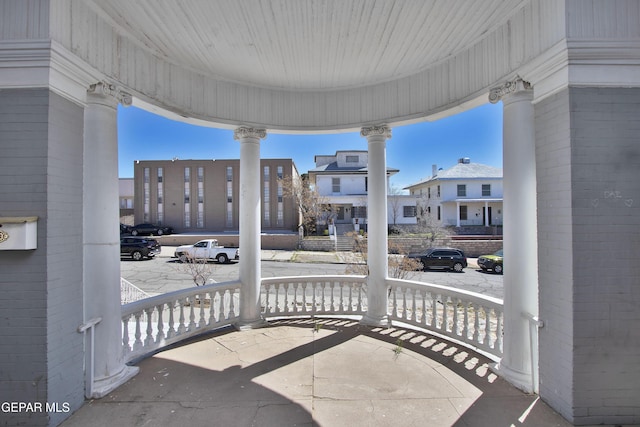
(340, 216)
(484, 216)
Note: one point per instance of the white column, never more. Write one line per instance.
(519, 364)
(101, 238)
(250, 243)
(377, 246)
(486, 214)
(458, 214)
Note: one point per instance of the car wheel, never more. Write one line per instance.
(160, 232)
(182, 258)
(134, 232)
(136, 255)
(497, 269)
(222, 258)
(457, 267)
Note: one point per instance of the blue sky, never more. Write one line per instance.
(475, 133)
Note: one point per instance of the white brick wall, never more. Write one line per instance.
(589, 239)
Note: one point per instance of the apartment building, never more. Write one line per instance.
(203, 195)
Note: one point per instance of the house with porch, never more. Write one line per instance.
(466, 194)
(342, 181)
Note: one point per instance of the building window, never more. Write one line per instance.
(187, 197)
(266, 197)
(353, 159)
(359, 211)
(438, 191)
(229, 214)
(160, 195)
(335, 185)
(486, 190)
(428, 192)
(366, 184)
(439, 214)
(463, 212)
(462, 190)
(200, 217)
(409, 211)
(146, 195)
(280, 172)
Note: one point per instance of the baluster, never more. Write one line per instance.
(171, 332)
(295, 297)
(212, 307)
(203, 300)
(499, 335)
(323, 299)
(341, 305)
(160, 334)
(181, 320)
(332, 286)
(445, 313)
(351, 307)
(465, 326)
(360, 302)
(125, 335)
(313, 299)
(455, 329)
(414, 307)
(221, 311)
(434, 311)
(276, 303)
(232, 304)
(137, 345)
(149, 339)
(423, 295)
(476, 324)
(287, 289)
(404, 303)
(304, 297)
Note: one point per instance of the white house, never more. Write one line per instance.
(342, 179)
(465, 194)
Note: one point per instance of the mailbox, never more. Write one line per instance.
(18, 233)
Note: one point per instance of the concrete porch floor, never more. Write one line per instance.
(322, 372)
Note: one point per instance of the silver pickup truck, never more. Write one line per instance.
(207, 249)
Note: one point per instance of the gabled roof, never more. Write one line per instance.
(463, 171)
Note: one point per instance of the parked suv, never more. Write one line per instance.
(492, 262)
(139, 247)
(441, 258)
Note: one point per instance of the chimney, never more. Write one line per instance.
(434, 170)
(464, 160)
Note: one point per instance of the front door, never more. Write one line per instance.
(484, 216)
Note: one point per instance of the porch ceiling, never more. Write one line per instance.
(306, 45)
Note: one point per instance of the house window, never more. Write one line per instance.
(439, 217)
(462, 190)
(200, 218)
(438, 191)
(486, 190)
(146, 196)
(463, 212)
(335, 185)
(160, 197)
(280, 172)
(409, 211)
(428, 192)
(359, 211)
(353, 159)
(187, 197)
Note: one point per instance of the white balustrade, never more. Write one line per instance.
(471, 319)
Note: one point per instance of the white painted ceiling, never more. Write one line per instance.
(307, 44)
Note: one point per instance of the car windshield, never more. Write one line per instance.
(498, 253)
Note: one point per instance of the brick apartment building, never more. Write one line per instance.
(203, 195)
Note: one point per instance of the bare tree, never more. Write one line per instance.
(313, 207)
(432, 228)
(200, 270)
(395, 203)
(400, 266)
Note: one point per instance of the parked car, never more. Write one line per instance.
(441, 258)
(492, 262)
(148, 229)
(125, 229)
(139, 247)
(207, 249)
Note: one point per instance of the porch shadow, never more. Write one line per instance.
(316, 372)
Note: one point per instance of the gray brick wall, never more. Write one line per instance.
(41, 352)
(588, 159)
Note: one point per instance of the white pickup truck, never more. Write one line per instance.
(207, 249)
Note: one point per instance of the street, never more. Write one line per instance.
(163, 274)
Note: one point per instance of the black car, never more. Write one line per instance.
(125, 229)
(441, 258)
(139, 247)
(148, 229)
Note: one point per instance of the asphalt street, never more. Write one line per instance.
(165, 274)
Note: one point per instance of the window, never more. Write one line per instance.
(486, 190)
(428, 192)
(462, 190)
(409, 211)
(439, 217)
(353, 159)
(359, 211)
(280, 172)
(229, 214)
(229, 174)
(146, 196)
(438, 191)
(160, 195)
(335, 185)
(200, 218)
(463, 212)
(187, 197)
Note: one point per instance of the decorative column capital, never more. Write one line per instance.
(247, 132)
(107, 89)
(382, 130)
(516, 85)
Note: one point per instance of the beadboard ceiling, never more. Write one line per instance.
(306, 45)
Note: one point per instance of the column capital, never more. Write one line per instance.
(248, 132)
(106, 89)
(515, 85)
(381, 130)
